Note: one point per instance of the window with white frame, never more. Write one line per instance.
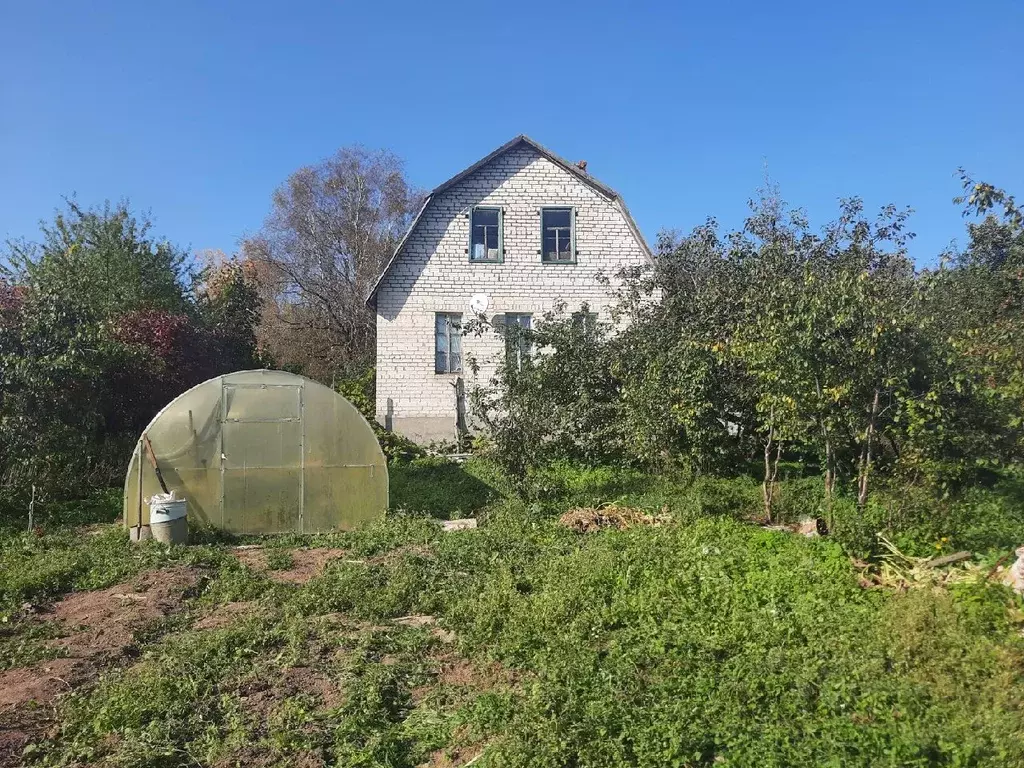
(517, 338)
(485, 234)
(557, 235)
(585, 323)
(448, 342)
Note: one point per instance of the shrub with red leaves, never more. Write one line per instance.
(177, 354)
(12, 298)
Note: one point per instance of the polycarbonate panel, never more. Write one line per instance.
(263, 452)
(251, 402)
(271, 444)
(334, 487)
(262, 501)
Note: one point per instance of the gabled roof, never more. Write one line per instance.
(572, 168)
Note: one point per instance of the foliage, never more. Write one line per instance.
(682, 401)
(331, 228)
(440, 487)
(779, 343)
(100, 325)
(361, 392)
(559, 403)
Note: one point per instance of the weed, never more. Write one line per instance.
(706, 641)
(279, 559)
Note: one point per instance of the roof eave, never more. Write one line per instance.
(371, 297)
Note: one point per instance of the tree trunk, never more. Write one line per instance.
(830, 461)
(830, 472)
(771, 469)
(864, 468)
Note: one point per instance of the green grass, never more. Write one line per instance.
(707, 642)
(441, 488)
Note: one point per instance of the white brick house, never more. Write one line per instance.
(521, 230)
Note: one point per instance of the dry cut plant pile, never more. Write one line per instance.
(588, 519)
(896, 570)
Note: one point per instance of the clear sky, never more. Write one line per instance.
(196, 111)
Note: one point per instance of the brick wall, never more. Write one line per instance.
(433, 274)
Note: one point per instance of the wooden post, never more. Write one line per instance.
(138, 524)
(152, 460)
(461, 430)
(32, 510)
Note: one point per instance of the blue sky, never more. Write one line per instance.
(196, 111)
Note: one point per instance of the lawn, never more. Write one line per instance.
(705, 641)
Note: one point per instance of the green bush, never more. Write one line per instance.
(923, 522)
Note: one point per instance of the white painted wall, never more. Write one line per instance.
(433, 274)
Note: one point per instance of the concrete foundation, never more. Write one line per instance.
(424, 429)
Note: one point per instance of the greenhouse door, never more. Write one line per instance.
(261, 475)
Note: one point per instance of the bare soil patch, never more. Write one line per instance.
(420, 621)
(312, 682)
(456, 671)
(453, 757)
(104, 621)
(306, 563)
(394, 555)
(100, 626)
(460, 753)
(41, 682)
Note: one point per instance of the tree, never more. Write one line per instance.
(560, 400)
(101, 325)
(331, 229)
(829, 335)
(682, 401)
(985, 331)
(105, 259)
(229, 303)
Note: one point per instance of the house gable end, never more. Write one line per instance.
(520, 145)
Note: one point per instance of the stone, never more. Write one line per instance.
(1014, 576)
(808, 526)
(464, 524)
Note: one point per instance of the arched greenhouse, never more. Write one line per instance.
(261, 452)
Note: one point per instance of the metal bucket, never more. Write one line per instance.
(167, 518)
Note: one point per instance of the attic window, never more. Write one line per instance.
(485, 235)
(557, 235)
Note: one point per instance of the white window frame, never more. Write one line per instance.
(500, 257)
(447, 327)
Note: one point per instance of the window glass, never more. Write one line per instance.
(584, 322)
(556, 230)
(447, 342)
(485, 235)
(517, 341)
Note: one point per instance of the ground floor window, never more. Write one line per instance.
(585, 323)
(448, 342)
(517, 342)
